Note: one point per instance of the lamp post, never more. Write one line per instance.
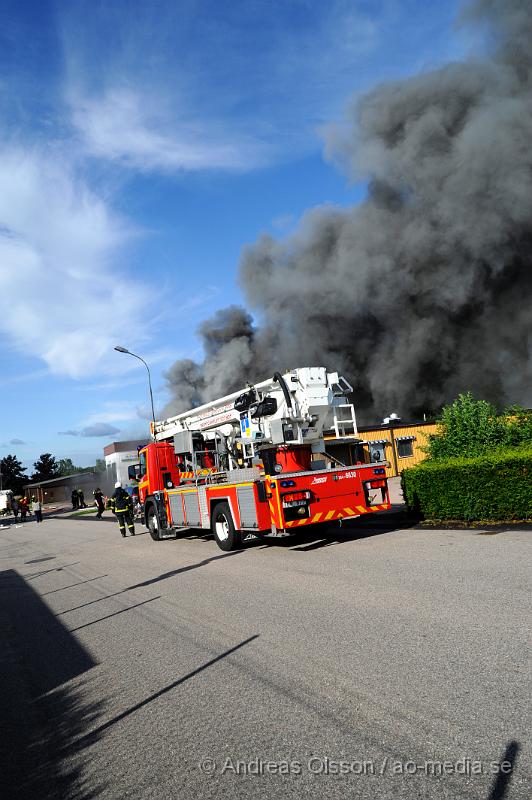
(129, 353)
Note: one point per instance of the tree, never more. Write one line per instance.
(518, 428)
(472, 427)
(46, 468)
(66, 466)
(13, 474)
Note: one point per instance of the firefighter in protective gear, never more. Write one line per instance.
(122, 507)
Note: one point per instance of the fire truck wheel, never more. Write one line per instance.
(223, 528)
(152, 523)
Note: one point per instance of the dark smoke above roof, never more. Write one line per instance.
(425, 289)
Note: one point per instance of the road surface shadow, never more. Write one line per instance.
(360, 528)
(150, 581)
(33, 575)
(72, 585)
(114, 614)
(165, 575)
(40, 716)
(82, 517)
(90, 737)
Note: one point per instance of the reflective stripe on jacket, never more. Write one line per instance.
(120, 501)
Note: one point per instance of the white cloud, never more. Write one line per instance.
(119, 411)
(127, 126)
(62, 296)
(195, 87)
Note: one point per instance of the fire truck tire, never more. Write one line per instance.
(223, 528)
(152, 522)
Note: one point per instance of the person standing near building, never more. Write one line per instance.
(121, 507)
(98, 499)
(81, 499)
(15, 508)
(36, 508)
(74, 498)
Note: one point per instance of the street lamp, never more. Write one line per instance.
(390, 421)
(129, 353)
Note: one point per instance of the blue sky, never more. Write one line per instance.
(142, 145)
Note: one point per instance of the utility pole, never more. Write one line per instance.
(396, 468)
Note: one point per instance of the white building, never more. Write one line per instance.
(118, 457)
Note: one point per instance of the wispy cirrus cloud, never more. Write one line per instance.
(208, 86)
(126, 126)
(205, 86)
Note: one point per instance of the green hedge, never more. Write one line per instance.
(497, 486)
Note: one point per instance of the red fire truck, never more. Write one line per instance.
(254, 463)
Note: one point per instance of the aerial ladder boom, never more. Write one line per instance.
(295, 407)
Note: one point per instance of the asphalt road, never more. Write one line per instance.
(135, 669)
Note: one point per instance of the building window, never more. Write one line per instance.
(405, 448)
(377, 452)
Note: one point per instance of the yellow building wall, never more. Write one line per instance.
(379, 435)
(420, 434)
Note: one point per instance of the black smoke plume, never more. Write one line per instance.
(425, 289)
